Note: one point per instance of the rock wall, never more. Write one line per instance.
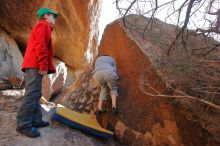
(143, 119)
(53, 84)
(74, 37)
(75, 34)
(10, 57)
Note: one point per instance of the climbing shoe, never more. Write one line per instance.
(101, 117)
(115, 110)
(32, 132)
(100, 111)
(41, 124)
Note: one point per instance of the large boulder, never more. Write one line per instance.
(146, 119)
(143, 119)
(10, 56)
(53, 84)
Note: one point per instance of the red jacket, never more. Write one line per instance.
(39, 53)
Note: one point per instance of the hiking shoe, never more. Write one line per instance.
(41, 124)
(115, 110)
(32, 132)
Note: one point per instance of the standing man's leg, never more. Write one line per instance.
(37, 121)
(37, 114)
(31, 98)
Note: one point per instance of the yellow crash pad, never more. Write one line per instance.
(84, 122)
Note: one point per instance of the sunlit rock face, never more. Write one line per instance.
(143, 119)
(74, 37)
(75, 34)
(10, 57)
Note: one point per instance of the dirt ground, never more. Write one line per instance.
(56, 134)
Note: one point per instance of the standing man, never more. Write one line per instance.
(105, 76)
(37, 63)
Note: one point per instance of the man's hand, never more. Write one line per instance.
(42, 72)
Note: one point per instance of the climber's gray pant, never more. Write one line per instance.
(105, 80)
(29, 112)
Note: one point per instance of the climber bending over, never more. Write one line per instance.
(105, 76)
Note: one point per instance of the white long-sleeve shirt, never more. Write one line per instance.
(105, 63)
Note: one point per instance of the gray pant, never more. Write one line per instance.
(106, 79)
(30, 112)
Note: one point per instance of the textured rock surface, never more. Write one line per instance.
(144, 120)
(141, 118)
(5, 85)
(11, 83)
(156, 122)
(148, 119)
(10, 57)
(54, 83)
